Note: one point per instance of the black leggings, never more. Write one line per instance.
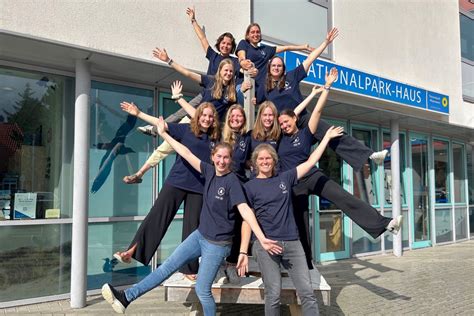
(317, 183)
(156, 223)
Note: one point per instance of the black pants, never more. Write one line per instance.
(156, 223)
(301, 212)
(364, 215)
(347, 147)
(235, 250)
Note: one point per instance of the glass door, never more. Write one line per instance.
(332, 237)
(420, 211)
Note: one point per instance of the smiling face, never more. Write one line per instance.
(222, 160)
(236, 119)
(206, 119)
(225, 46)
(254, 35)
(276, 68)
(287, 124)
(264, 163)
(226, 73)
(267, 118)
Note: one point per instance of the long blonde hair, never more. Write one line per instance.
(228, 134)
(213, 131)
(219, 83)
(272, 153)
(258, 131)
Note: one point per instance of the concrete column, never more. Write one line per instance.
(249, 108)
(80, 207)
(395, 166)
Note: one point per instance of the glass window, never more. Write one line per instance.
(444, 225)
(274, 18)
(460, 217)
(467, 37)
(405, 231)
(35, 262)
(365, 181)
(35, 145)
(363, 242)
(420, 180)
(388, 169)
(441, 168)
(332, 166)
(117, 150)
(459, 189)
(470, 172)
(104, 240)
(467, 71)
(331, 232)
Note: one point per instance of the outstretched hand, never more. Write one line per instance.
(160, 126)
(191, 12)
(271, 246)
(130, 108)
(161, 54)
(316, 89)
(334, 132)
(332, 34)
(331, 76)
(176, 88)
(242, 265)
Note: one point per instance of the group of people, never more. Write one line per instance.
(234, 182)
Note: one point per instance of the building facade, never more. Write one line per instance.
(404, 66)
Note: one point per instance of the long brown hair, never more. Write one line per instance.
(247, 31)
(219, 83)
(228, 134)
(272, 153)
(258, 131)
(269, 81)
(213, 131)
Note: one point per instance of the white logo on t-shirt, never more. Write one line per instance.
(242, 145)
(296, 142)
(283, 188)
(221, 191)
(287, 85)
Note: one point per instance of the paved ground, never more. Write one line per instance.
(435, 281)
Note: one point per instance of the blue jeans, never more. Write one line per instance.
(293, 259)
(191, 248)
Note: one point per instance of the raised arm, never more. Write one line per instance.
(132, 109)
(304, 167)
(182, 150)
(318, 109)
(314, 92)
(162, 55)
(176, 88)
(332, 34)
(191, 12)
(280, 49)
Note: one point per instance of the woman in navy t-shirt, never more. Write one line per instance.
(252, 54)
(269, 194)
(223, 195)
(218, 89)
(294, 148)
(266, 129)
(183, 183)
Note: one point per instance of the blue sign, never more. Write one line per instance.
(370, 85)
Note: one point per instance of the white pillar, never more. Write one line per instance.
(249, 108)
(80, 206)
(395, 166)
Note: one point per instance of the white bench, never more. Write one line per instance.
(249, 291)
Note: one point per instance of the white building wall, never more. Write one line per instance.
(416, 42)
(128, 27)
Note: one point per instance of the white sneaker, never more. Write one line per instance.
(232, 275)
(148, 130)
(395, 225)
(221, 277)
(379, 156)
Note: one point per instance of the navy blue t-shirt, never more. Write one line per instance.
(260, 56)
(290, 96)
(295, 149)
(254, 143)
(221, 194)
(222, 104)
(271, 200)
(216, 58)
(182, 175)
(240, 155)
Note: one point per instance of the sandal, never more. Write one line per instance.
(123, 258)
(132, 179)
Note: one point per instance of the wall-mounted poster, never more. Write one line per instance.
(4, 204)
(25, 205)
